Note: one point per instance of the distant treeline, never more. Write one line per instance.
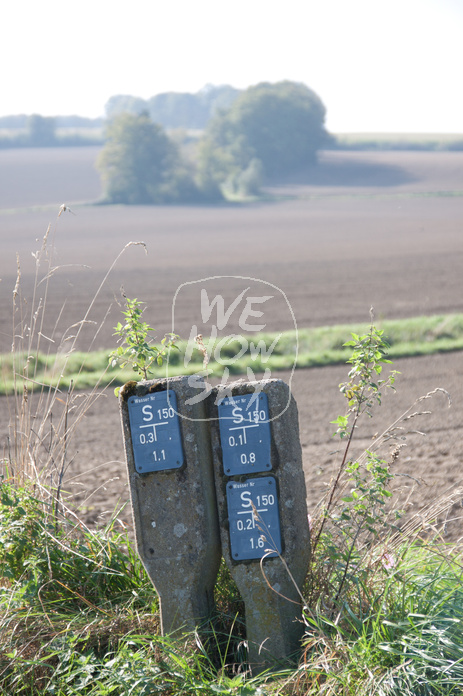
(173, 110)
(188, 112)
(44, 131)
(20, 122)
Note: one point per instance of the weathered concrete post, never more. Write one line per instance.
(261, 499)
(173, 499)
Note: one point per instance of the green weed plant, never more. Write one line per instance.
(136, 348)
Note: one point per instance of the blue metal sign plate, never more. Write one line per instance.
(245, 434)
(254, 518)
(155, 429)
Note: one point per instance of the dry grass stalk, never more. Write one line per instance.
(44, 419)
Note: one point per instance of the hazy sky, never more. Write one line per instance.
(378, 65)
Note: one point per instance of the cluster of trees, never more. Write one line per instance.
(268, 131)
(271, 130)
(140, 164)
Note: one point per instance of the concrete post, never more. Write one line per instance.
(173, 499)
(261, 500)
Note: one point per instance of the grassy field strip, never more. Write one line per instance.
(400, 141)
(364, 196)
(45, 208)
(269, 197)
(316, 347)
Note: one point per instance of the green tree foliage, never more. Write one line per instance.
(281, 125)
(176, 109)
(124, 103)
(41, 130)
(141, 165)
(16, 122)
(190, 111)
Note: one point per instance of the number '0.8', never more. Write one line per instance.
(248, 459)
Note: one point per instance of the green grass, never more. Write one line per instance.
(79, 616)
(399, 141)
(317, 347)
(408, 641)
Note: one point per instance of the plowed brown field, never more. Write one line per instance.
(361, 230)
